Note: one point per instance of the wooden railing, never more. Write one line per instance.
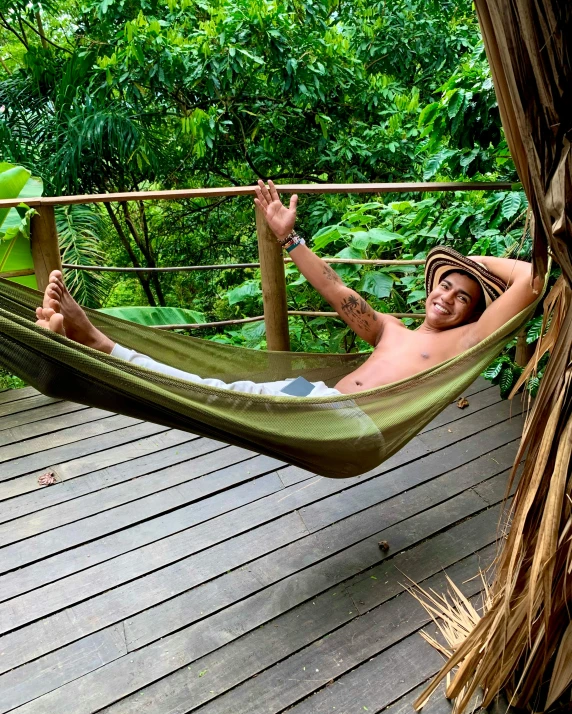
(46, 251)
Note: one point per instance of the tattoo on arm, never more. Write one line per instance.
(358, 312)
(331, 274)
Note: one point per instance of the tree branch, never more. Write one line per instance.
(146, 250)
(44, 38)
(143, 279)
(6, 25)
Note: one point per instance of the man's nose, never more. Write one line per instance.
(448, 296)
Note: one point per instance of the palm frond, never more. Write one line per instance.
(80, 229)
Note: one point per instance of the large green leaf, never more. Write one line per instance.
(153, 316)
(378, 284)
(248, 289)
(12, 181)
(511, 205)
(15, 253)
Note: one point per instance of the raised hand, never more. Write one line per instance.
(279, 218)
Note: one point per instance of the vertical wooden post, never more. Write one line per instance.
(45, 246)
(524, 351)
(273, 286)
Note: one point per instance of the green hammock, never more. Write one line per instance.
(337, 436)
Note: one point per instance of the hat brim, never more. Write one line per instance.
(442, 260)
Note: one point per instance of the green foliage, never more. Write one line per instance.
(114, 96)
(10, 381)
(153, 316)
(80, 229)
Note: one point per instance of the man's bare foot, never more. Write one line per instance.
(61, 313)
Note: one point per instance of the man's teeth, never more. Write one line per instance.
(441, 309)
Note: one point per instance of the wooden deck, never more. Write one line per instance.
(164, 573)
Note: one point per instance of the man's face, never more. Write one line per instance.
(453, 301)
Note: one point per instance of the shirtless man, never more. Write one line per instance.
(454, 318)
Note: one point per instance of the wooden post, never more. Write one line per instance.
(45, 246)
(524, 351)
(273, 287)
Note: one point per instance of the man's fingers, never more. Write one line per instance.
(264, 191)
(293, 202)
(259, 196)
(273, 192)
(260, 205)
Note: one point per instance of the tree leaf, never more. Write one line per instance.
(156, 315)
(251, 288)
(511, 204)
(378, 284)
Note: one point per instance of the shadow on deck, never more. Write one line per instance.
(164, 573)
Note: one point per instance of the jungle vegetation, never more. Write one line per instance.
(125, 95)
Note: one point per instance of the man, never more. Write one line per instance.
(458, 289)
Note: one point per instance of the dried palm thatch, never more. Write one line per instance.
(523, 642)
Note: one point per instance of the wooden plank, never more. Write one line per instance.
(27, 438)
(478, 401)
(134, 563)
(13, 395)
(58, 566)
(463, 428)
(186, 495)
(272, 506)
(74, 623)
(153, 452)
(378, 681)
(345, 648)
(39, 414)
(148, 626)
(25, 403)
(269, 570)
(343, 188)
(20, 554)
(359, 639)
(259, 649)
(32, 449)
(34, 679)
(478, 385)
(205, 456)
(101, 451)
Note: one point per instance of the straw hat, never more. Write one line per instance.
(442, 260)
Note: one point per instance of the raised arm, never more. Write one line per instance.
(350, 306)
(521, 292)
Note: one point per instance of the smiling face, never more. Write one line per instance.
(453, 302)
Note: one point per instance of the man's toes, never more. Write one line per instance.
(56, 323)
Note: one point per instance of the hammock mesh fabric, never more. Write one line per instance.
(337, 436)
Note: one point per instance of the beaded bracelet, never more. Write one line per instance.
(295, 244)
(292, 240)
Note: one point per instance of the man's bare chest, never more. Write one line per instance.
(418, 347)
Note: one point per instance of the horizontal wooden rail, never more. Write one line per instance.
(229, 266)
(411, 187)
(259, 318)
(17, 273)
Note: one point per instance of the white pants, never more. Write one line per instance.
(269, 388)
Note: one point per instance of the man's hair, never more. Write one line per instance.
(481, 304)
